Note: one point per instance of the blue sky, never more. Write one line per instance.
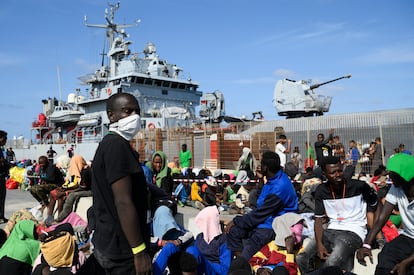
(239, 47)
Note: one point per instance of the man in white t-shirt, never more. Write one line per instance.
(397, 256)
(281, 150)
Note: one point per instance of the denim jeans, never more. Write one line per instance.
(248, 241)
(341, 245)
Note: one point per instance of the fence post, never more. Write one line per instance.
(158, 140)
(192, 148)
(220, 142)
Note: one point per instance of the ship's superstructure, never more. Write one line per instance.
(167, 99)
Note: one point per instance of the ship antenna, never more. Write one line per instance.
(59, 86)
(103, 54)
(111, 27)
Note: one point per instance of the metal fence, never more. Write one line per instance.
(214, 145)
(393, 127)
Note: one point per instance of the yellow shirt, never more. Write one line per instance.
(195, 192)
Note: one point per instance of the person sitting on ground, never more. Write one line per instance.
(77, 185)
(209, 194)
(19, 252)
(59, 252)
(197, 200)
(170, 238)
(379, 183)
(183, 190)
(281, 251)
(17, 216)
(276, 198)
(210, 247)
(229, 193)
(218, 175)
(161, 172)
(397, 256)
(50, 178)
(242, 204)
(344, 202)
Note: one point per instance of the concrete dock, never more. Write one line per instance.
(17, 199)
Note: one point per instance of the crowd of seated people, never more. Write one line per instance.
(284, 222)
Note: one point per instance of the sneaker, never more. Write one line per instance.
(180, 203)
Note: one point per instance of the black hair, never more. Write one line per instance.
(181, 262)
(188, 262)
(271, 160)
(379, 170)
(282, 136)
(239, 264)
(3, 134)
(280, 270)
(330, 160)
(112, 102)
(43, 159)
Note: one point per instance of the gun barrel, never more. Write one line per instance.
(323, 83)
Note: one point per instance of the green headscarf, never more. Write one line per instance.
(403, 165)
(164, 167)
(21, 244)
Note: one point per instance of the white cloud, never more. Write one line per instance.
(284, 73)
(322, 29)
(395, 54)
(7, 60)
(258, 80)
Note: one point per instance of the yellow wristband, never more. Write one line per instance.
(138, 249)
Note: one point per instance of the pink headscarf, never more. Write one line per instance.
(208, 221)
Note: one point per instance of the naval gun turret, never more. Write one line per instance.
(297, 98)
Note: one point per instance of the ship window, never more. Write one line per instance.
(158, 82)
(164, 92)
(140, 80)
(148, 81)
(181, 86)
(174, 85)
(161, 62)
(166, 84)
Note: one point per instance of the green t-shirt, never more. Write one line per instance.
(310, 153)
(185, 159)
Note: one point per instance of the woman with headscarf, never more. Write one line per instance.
(247, 161)
(210, 247)
(171, 238)
(161, 172)
(77, 184)
(19, 252)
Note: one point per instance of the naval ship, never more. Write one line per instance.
(167, 99)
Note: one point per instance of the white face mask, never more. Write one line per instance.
(127, 127)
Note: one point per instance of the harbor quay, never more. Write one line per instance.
(19, 199)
